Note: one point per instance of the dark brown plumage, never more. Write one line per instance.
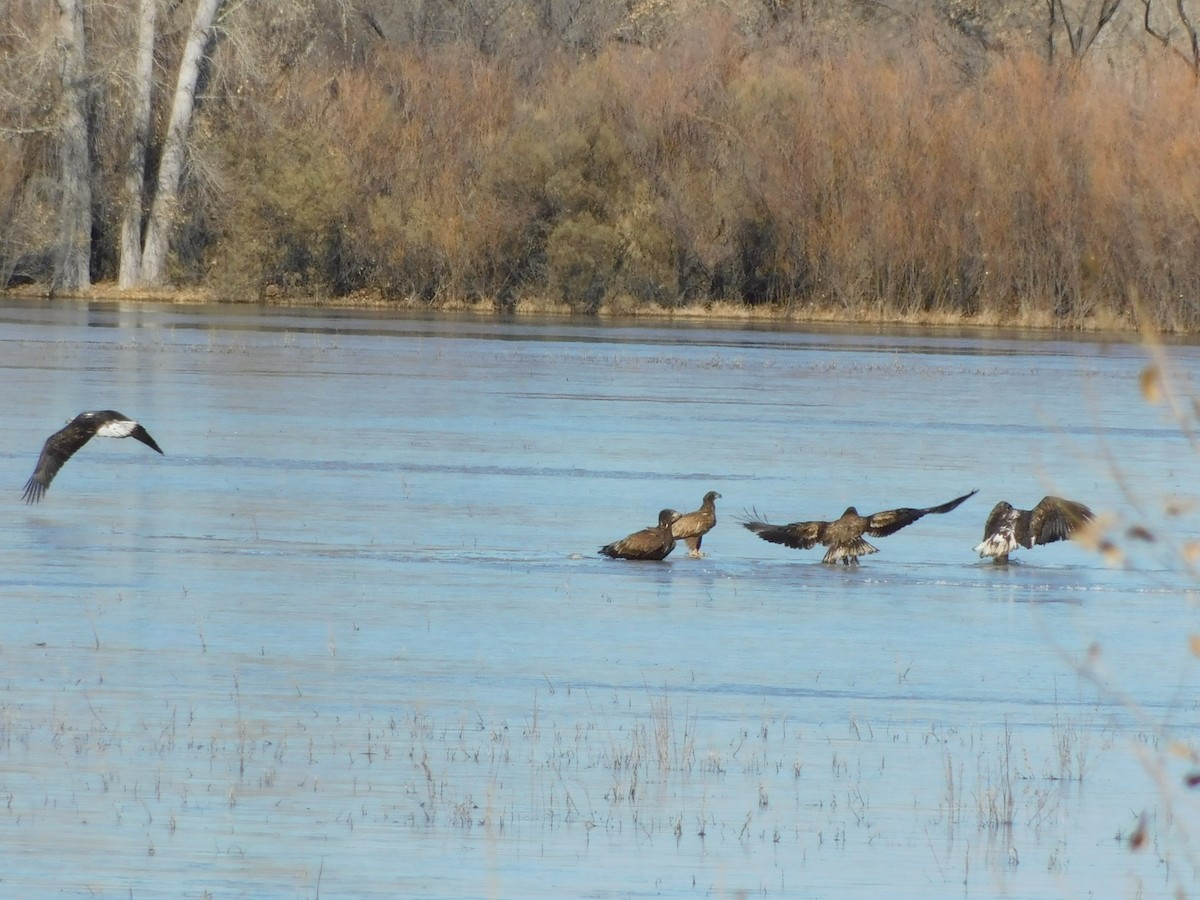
(844, 536)
(1053, 519)
(61, 445)
(692, 527)
(652, 543)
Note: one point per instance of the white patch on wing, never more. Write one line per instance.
(118, 428)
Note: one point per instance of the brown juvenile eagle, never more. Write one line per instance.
(1053, 519)
(61, 445)
(692, 527)
(844, 537)
(655, 542)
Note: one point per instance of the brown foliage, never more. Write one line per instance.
(882, 166)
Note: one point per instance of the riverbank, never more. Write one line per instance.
(1033, 319)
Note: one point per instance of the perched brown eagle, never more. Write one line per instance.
(61, 445)
(655, 542)
(692, 527)
(844, 537)
(1053, 519)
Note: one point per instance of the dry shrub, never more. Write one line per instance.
(882, 180)
(863, 167)
(30, 63)
(903, 187)
(878, 177)
(421, 159)
(27, 206)
(585, 213)
(582, 255)
(1086, 200)
(370, 180)
(285, 223)
(684, 212)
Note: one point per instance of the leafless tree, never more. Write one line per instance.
(1082, 25)
(1164, 37)
(170, 167)
(139, 142)
(72, 259)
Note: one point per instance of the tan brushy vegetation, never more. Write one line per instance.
(878, 181)
(844, 165)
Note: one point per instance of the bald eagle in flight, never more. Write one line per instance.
(653, 543)
(1053, 519)
(692, 527)
(844, 536)
(61, 445)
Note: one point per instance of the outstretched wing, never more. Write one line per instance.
(115, 425)
(801, 535)
(881, 524)
(63, 444)
(1056, 519)
(59, 447)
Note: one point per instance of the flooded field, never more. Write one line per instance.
(350, 636)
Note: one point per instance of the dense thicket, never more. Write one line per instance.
(907, 169)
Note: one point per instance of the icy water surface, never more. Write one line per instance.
(350, 636)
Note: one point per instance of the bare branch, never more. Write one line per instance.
(1086, 30)
(1192, 36)
(1163, 39)
(1072, 36)
(1107, 11)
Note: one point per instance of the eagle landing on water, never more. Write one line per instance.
(1007, 528)
(844, 536)
(63, 444)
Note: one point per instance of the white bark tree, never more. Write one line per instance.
(170, 167)
(72, 259)
(135, 174)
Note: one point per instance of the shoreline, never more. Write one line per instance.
(1033, 321)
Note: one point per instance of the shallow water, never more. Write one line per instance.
(350, 636)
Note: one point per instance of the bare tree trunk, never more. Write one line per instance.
(1051, 29)
(72, 270)
(135, 174)
(170, 168)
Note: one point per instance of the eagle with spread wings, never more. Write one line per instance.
(1053, 519)
(844, 536)
(64, 443)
